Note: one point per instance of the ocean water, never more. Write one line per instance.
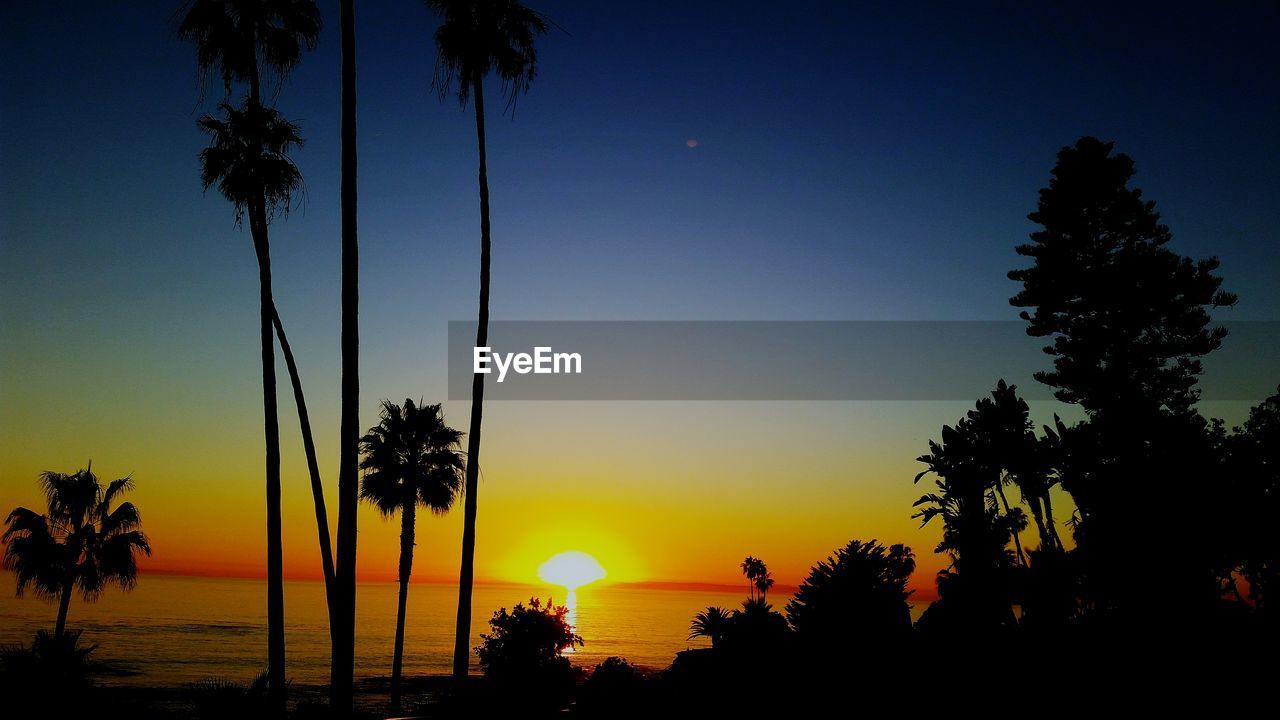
(175, 630)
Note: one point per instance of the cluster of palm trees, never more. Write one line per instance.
(991, 448)
(715, 622)
(244, 43)
(759, 580)
(857, 595)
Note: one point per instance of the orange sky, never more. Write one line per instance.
(666, 492)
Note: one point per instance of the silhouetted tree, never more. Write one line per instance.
(615, 688)
(752, 569)
(856, 598)
(1252, 495)
(1127, 315)
(711, 623)
(342, 661)
(238, 41)
(313, 465)
(79, 543)
(248, 161)
(755, 631)
(1129, 323)
(523, 653)
(410, 458)
(977, 588)
(764, 583)
(475, 38)
(55, 668)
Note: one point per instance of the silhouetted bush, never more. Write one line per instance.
(218, 698)
(51, 661)
(712, 624)
(615, 688)
(53, 666)
(857, 597)
(523, 654)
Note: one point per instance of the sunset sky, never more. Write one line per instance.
(846, 165)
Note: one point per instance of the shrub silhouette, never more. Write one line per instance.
(53, 666)
(215, 698)
(856, 597)
(712, 624)
(523, 653)
(614, 688)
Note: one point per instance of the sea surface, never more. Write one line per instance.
(171, 631)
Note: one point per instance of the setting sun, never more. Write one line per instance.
(571, 570)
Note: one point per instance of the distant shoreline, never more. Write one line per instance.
(690, 586)
(922, 594)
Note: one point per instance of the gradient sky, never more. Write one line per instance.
(852, 162)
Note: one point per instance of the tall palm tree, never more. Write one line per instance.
(343, 619)
(239, 40)
(477, 37)
(80, 543)
(711, 623)
(248, 160)
(410, 458)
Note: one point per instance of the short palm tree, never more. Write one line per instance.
(80, 543)
(711, 623)
(410, 458)
(476, 38)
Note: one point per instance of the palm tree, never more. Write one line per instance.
(81, 543)
(477, 37)
(237, 40)
(410, 458)
(711, 623)
(343, 617)
(248, 160)
(975, 534)
(752, 568)
(313, 465)
(764, 582)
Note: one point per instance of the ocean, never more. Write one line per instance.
(170, 630)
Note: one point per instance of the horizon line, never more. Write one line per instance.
(917, 593)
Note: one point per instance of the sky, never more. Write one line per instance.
(849, 162)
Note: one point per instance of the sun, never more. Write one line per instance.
(571, 570)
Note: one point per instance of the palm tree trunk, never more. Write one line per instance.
(1048, 517)
(1037, 513)
(462, 632)
(342, 658)
(271, 428)
(313, 467)
(1017, 541)
(407, 515)
(64, 604)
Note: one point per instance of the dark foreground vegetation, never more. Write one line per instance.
(1127, 561)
